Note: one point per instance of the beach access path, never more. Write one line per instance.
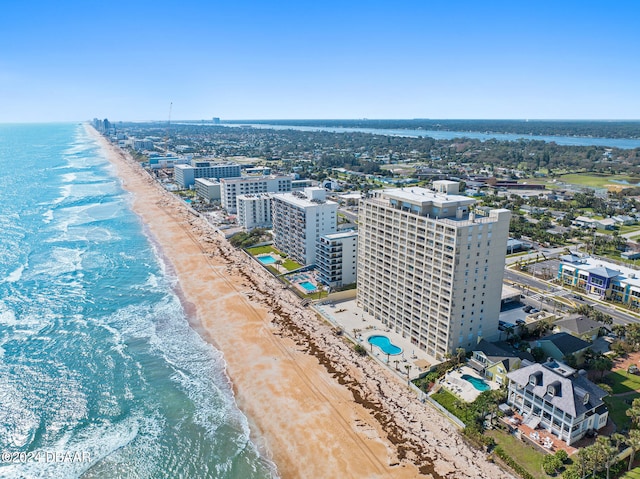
(315, 408)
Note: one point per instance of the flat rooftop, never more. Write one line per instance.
(421, 196)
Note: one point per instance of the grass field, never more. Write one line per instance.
(522, 453)
(618, 406)
(287, 263)
(262, 250)
(623, 382)
(628, 229)
(632, 474)
(595, 180)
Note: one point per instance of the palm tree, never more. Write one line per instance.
(460, 354)
(634, 412)
(618, 439)
(607, 451)
(509, 330)
(634, 443)
(408, 368)
(583, 461)
(619, 330)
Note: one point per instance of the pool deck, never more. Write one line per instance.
(462, 388)
(359, 326)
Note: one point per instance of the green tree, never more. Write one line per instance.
(551, 464)
(634, 412)
(633, 440)
(618, 439)
(562, 455)
(582, 461)
(572, 472)
(460, 354)
(607, 452)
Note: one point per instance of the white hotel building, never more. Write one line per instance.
(250, 185)
(299, 219)
(430, 269)
(185, 175)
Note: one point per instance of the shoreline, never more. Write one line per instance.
(314, 407)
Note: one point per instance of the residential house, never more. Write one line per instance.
(624, 220)
(561, 345)
(495, 360)
(579, 326)
(555, 397)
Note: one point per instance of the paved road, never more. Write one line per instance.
(539, 293)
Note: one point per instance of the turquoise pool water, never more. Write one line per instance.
(477, 383)
(267, 259)
(309, 286)
(384, 344)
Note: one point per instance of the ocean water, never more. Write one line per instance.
(100, 374)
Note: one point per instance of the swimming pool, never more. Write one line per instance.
(384, 344)
(477, 383)
(267, 259)
(309, 286)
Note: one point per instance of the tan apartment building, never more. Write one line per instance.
(429, 268)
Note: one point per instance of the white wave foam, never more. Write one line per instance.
(48, 216)
(69, 177)
(7, 316)
(15, 275)
(98, 443)
(65, 192)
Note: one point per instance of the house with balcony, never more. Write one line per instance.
(600, 278)
(494, 360)
(557, 398)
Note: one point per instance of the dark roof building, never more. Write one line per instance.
(557, 398)
(560, 345)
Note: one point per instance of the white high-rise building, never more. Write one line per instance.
(250, 185)
(299, 219)
(336, 258)
(430, 269)
(254, 211)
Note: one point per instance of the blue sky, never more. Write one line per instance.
(128, 60)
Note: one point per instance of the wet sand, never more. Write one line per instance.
(315, 408)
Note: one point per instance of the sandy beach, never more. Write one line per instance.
(315, 408)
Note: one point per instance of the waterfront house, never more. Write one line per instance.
(557, 398)
(495, 360)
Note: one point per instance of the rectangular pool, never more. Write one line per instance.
(267, 259)
(310, 287)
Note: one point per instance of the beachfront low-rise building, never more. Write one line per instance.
(161, 162)
(336, 259)
(299, 219)
(557, 398)
(251, 185)
(208, 190)
(429, 268)
(600, 278)
(254, 211)
(185, 175)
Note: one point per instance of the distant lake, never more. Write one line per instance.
(622, 143)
